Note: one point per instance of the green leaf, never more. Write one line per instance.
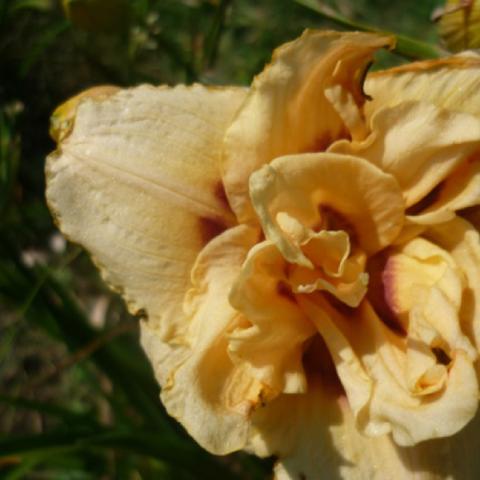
(182, 456)
(42, 5)
(43, 42)
(69, 417)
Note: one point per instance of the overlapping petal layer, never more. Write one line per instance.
(405, 142)
(370, 367)
(462, 241)
(308, 96)
(272, 340)
(209, 393)
(450, 83)
(336, 190)
(315, 436)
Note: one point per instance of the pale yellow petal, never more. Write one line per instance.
(405, 143)
(328, 249)
(462, 241)
(315, 437)
(411, 418)
(272, 339)
(336, 269)
(349, 289)
(136, 182)
(352, 374)
(422, 372)
(452, 83)
(327, 191)
(202, 388)
(373, 370)
(288, 109)
(413, 269)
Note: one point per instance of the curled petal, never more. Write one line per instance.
(416, 267)
(405, 143)
(423, 374)
(349, 289)
(335, 269)
(462, 241)
(370, 367)
(411, 418)
(272, 339)
(135, 180)
(210, 395)
(426, 277)
(289, 110)
(325, 188)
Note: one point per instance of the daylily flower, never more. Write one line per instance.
(304, 252)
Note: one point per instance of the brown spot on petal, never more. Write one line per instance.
(321, 144)
(141, 314)
(210, 228)
(441, 356)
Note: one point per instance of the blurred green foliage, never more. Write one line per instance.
(77, 397)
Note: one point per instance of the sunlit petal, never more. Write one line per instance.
(405, 143)
(370, 367)
(294, 105)
(136, 182)
(272, 340)
(326, 187)
(315, 436)
(451, 83)
(209, 394)
(462, 241)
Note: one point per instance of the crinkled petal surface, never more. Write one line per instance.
(137, 183)
(315, 436)
(206, 391)
(327, 187)
(451, 83)
(405, 142)
(462, 241)
(307, 97)
(272, 339)
(370, 367)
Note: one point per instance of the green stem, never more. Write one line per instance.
(406, 47)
